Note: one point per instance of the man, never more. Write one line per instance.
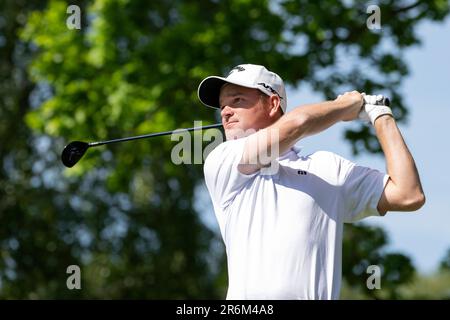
(283, 228)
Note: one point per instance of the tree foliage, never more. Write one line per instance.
(364, 246)
(126, 214)
(445, 262)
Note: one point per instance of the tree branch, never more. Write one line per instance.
(407, 8)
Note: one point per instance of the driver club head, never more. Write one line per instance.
(73, 152)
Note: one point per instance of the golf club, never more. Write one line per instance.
(382, 100)
(386, 102)
(73, 152)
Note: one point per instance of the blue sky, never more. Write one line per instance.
(423, 235)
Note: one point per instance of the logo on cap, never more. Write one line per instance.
(238, 68)
(270, 89)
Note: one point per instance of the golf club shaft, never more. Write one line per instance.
(157, 134)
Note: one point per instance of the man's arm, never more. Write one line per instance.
(403, 191)
(294, 125)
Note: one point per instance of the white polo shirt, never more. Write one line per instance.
(283, 232)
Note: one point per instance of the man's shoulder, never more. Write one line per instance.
(224, 153)
(224, 147)
(326, 156)
(329, 164)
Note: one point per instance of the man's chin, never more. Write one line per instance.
(237, 133)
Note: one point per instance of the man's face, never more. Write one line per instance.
(243, 110)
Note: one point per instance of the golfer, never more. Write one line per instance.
(281, 214)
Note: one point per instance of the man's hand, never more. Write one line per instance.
(373, 108)
(352, 102)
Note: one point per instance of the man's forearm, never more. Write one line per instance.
(406, 190)
(311, 119)
(299, 123)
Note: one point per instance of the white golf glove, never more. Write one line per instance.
(373, 108)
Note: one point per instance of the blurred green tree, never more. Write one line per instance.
(364, 246)
(126, 214)
(445, 262)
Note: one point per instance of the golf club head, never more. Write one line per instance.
(73, 152)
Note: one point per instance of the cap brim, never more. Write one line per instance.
(209, 90)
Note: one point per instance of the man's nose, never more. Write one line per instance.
(226, 112)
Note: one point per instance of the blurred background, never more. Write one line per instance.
(141, 227)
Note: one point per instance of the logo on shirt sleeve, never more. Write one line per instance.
(303, 173)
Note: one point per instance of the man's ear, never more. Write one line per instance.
(275, 105)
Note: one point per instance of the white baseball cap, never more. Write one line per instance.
(245, 75)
